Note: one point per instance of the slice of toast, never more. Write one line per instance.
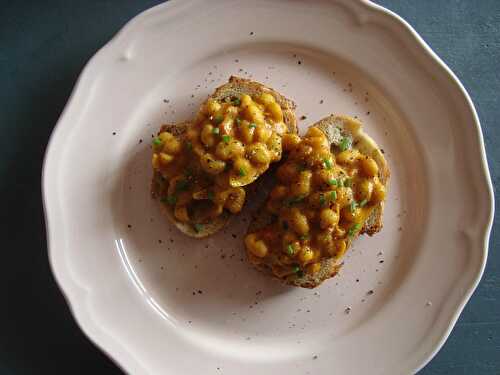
(336, 128)
(234, 87)
(187, 228)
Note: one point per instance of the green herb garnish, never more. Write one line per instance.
(289, 249)
(295, 269)
(348, 182)
(322, 200)
(333, 195)
(328, 163)
(333, 182)
(354, 229)
(345, 143)
(157, 142)
(218, 119)
(363, 203)
(171, 200)
(242, 172)
(252, 125)
(198, 227)
(301, 167)
(293, 200)
(236, 101)
(215, 130)
(226, 138)
(238, 121)
(181, 185)
(354, 205)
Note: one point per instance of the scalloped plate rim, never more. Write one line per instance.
(77, 296)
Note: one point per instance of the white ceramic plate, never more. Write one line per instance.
(158, 302)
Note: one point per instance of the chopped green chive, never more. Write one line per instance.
(215, 130)
(348, 182)
(198, 227)
(333, 195)
(295, 269)
(363, 203)
(345, 143)
(289, 249)
(211, 195)
(242, 172)
(322, 200)
(171, 200)
(157, 142)
(181, 185)
(354, 205)
(333, 182)
(218, 119)
(341, 183)
(293, 200)
(301, 167)
(236, 101)
(354, 229)
(252, 125)
(189, 146)
(226, 138)
(328, 163)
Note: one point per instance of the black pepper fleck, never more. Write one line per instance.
(370, 292)
(251, 32)
(114, 133)
(303, 117)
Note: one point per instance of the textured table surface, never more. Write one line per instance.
(44, 46)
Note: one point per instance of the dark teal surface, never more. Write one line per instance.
(44, 46)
